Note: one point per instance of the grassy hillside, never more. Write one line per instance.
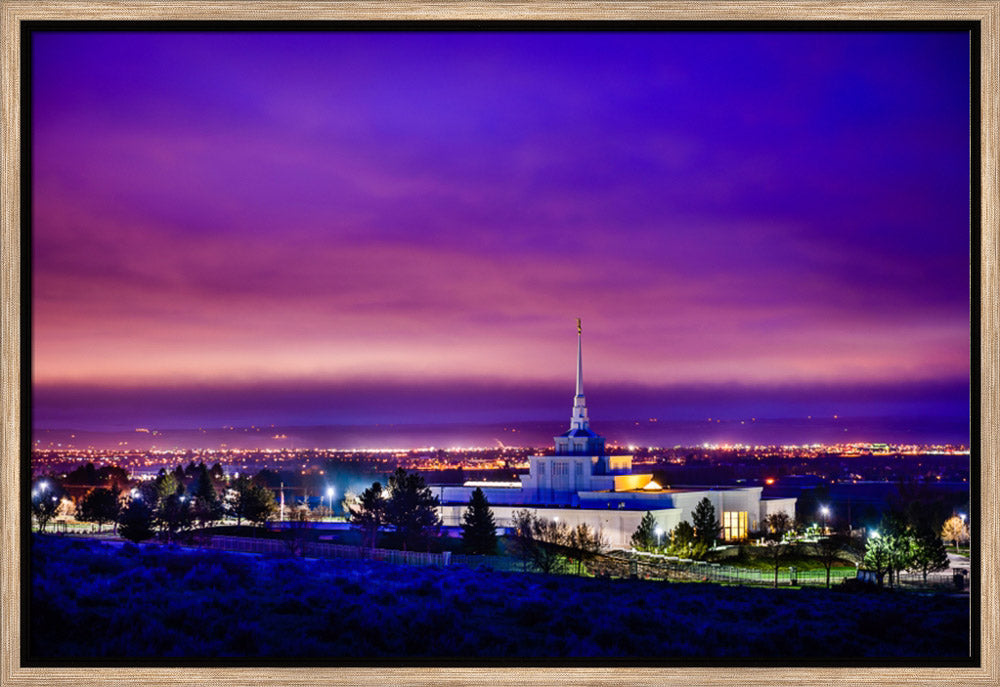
(94, 599)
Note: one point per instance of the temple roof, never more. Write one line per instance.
(579, 433)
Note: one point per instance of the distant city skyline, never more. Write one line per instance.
(361, 228)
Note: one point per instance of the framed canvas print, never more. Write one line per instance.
(552, 344)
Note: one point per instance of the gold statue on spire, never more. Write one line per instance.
(579, 327)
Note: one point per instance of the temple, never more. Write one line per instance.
(581, 483)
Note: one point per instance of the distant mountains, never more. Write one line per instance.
(646, 432)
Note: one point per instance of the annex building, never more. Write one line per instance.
(581, 483)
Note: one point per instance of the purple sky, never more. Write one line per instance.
(781, 217)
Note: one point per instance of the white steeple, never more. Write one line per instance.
(579, 420)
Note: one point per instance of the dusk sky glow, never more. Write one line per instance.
(774, 223)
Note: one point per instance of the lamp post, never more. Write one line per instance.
(962, 515)
(825, 512)
(329, 497)
(659, 533)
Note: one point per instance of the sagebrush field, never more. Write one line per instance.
(101, 600)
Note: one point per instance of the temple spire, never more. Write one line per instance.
(579, 358)
(579, 419)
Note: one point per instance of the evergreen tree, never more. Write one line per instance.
(100, 505)
(644, 537)
(135, 521)
(681, 538)
(217, 474)
(203, 487)
(240, 498)
(166, 485)
(706, 526)
(258, 504)
(174, 515)
(207, 507)
(929, 552)
(412, 508)
(368, 513)
(479, 529)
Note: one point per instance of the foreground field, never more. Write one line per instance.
(101, 600)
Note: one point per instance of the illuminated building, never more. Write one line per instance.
(581, 483)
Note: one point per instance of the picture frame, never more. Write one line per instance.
(14, 12)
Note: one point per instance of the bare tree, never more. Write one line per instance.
(829, 550)
(586, 544)
(543, 543)
(298, 531)
(775, 527)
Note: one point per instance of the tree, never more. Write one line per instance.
(298, 531)
(411, 508)
(776, 525)
(217, 475)
(166, 485)
(644, 537)
(251, 501)
(522, 540)
(259, 504)
(479, 529)
(100, 505)
(552, 537)
(929, 552)
(44, 502)
(586, 544)
(955, 531)
(85, 475)
(174, 515)
(898, 540)
(682, 539)
(368, 513)
(206, 507)
(135, 521)
(706, 526)
(828, 550)
(877, 557)
(543, 543)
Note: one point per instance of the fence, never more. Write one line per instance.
(501, 563)
(652, 566)
(943, 580)
(325, 550)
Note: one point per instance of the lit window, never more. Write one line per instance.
(734, 525)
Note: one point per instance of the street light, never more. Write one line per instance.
(329, 497)
(659, 533)
(962, 515)
(825, 512)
